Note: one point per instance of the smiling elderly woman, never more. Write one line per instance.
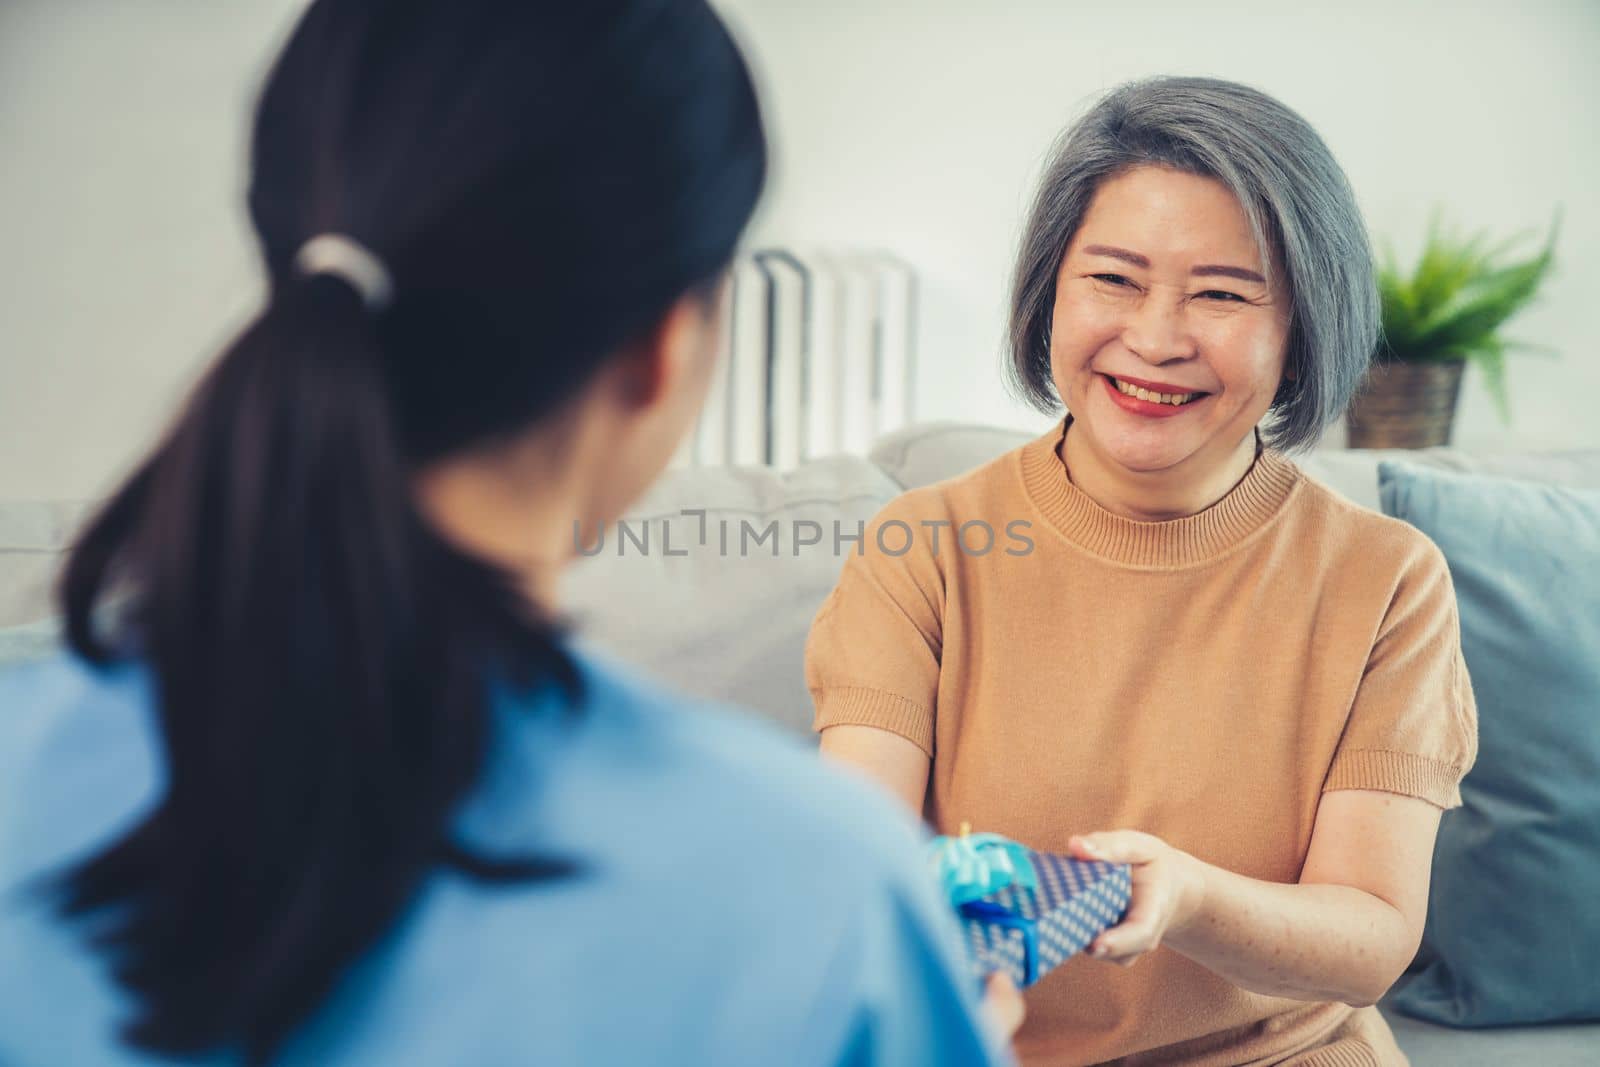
(1205, 664)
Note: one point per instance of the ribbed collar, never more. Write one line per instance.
(1168, 543)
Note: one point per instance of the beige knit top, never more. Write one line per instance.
(1204, 679)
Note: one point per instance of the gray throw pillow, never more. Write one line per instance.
(1513, 930)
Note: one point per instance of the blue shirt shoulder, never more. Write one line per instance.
(739, 901)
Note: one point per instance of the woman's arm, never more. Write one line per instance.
(1350, 926)
(1345, 932)
(885, 757)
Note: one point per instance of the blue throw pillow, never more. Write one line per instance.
(1513, 931)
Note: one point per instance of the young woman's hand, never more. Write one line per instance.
(1003, 1008)
(1166, 891)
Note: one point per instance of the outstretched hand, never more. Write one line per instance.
(1166, 887)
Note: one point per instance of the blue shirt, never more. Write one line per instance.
(743, 902)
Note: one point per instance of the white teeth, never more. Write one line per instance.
(1175, 399)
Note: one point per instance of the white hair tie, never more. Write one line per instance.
(345, 257)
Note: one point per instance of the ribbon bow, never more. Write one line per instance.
(974, 865)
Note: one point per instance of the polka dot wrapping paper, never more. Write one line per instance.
(1029, 932)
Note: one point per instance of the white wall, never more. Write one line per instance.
(129, 261)
(921, 126)
(915, 126)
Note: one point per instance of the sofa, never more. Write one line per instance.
(715, 583)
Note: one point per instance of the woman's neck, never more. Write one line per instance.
(1156, 496)
(504, 511)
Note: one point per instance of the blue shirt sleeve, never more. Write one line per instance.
(902, 989)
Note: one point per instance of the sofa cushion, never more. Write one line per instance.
(1513, 932)
(933, 451)
(727, 624)
(930, 452)
(727, 619)
(33, 535)
(1353, 473)
(1430, 1045)
(30, 641)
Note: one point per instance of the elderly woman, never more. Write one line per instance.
(1188, 656)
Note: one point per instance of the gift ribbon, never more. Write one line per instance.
(975, 865)
(993, 914)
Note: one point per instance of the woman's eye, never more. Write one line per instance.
(1120, 282)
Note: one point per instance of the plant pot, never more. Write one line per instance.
(1405, 405)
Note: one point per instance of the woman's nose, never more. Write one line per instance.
(1156, 330)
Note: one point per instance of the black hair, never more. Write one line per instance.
(543, 182)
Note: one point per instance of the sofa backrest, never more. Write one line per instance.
(726, 618)
(33, 534)
(732, 627)
(931, 452)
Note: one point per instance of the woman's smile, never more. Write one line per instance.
(1140, 290)
(1151, 400)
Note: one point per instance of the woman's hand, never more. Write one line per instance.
(1003, 1008)
(1166, 890)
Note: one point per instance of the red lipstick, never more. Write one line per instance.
(1150, 409)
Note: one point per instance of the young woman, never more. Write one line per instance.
(326, 780)
(1199, 662)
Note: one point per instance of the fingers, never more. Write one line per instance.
(1115, 846)
(1141, 928)
(1125, 944)
(1141, 920)
(1003, 1006)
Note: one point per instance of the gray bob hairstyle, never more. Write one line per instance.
(1302, 214)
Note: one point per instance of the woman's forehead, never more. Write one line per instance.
(1159, 213)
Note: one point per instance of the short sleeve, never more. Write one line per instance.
(909, 994)
(872, 657)
(917, 1002)
(1413, 727)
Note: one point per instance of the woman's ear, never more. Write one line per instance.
(669, 352)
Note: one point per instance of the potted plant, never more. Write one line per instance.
(1445, 313)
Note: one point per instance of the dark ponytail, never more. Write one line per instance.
(321, 657)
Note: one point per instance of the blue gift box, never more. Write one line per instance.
(1027, 932)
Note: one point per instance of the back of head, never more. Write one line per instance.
(535, 184)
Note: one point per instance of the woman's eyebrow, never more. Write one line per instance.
(1204, 271)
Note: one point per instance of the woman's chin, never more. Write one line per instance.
(1142, 449)
(1147, 459)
